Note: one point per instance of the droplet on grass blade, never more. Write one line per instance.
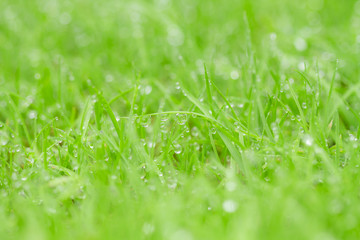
(109, 78)
(145, 121)
(147, 90)
(302, 66)
(181, 234)
(234, 75)
(352, 137)
(177, 148)
(164, 117)
(195, 131)
(65, 18)
(32, 115)
(230, 186)
(273, 36)
(229, 206)
(308, 140)
(175, 36)
(196, 146)
(304, 106)
(148, 228)
(181, 118)
(163, 128)
(237, 126)
(300, 44)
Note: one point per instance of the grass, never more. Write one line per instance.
(179, 119)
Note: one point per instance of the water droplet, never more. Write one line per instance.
(229, 206)
(213, 130)
(175, 36)
(164, 117)
(197, 146)
(195, 131)
(109, 78)
(147, 90)
(65, 18)
(32, 115)
(172, 185)
(177, 148)
(300, 44)
(145, 121)
(273, 36)
(163, 127)
(308, 140)
(148, 228)
(234, 74)
(352, 137)
(181, 118)
(302, 66)
(237, 126)
(230, 186)
(181, 234)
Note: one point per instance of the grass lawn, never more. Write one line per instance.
(179, 120)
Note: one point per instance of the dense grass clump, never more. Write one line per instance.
(179, 120)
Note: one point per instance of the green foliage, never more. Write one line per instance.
(183, 120)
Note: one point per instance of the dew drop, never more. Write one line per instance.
(234, 74)
(304, 105)
(32, 115)
(195, 131)
(147, 90)
(145, 121)
(181, 118)
(177, 148)
(308, 140)
(237, 126)
(164, 117)
(300, 44)
(229, 206)
(37, 76)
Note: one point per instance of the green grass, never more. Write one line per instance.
(179, 120)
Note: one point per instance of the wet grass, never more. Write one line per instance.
(179, 119)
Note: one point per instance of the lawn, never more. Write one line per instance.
(179, 120)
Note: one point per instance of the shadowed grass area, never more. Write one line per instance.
(179, 120)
